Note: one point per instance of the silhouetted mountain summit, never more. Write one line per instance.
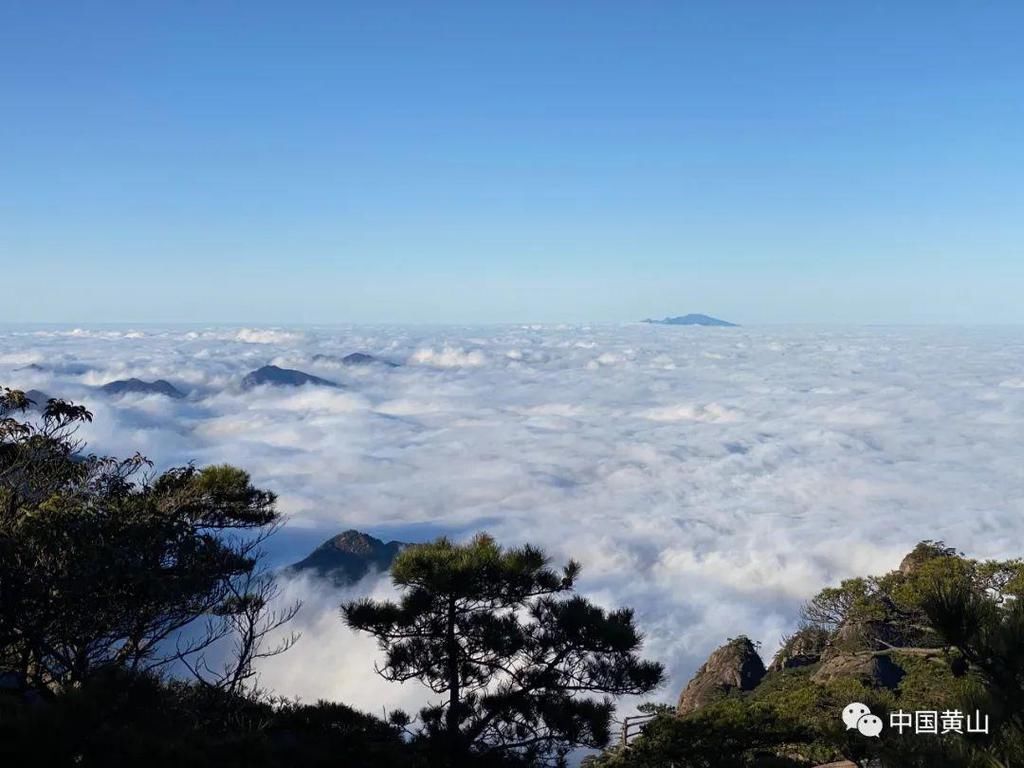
(693, 320)
(158, 387)
(348, 557)
(39, 399)
(356, 358)
(282, 377)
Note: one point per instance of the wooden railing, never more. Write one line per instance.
(632, 727)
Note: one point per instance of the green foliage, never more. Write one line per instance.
(110, 574)
(987, 633)
(500, 635)
(952, 625)
(928, 682)
(729, 734)
(886, 611)
(104, 564)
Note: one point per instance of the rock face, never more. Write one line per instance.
(875, 669)
(158, 387)
(348, 557)
(693, 320)
(922, 553)
(735, 666)
(282, 377)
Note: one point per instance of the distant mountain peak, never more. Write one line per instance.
(39, 399)
(361, 358)
(352, 541)
(138, 386)
(282, 377)
(693, 319)
(348, 557)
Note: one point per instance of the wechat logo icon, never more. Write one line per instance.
(857, 716)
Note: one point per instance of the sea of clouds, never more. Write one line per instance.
(713, 479)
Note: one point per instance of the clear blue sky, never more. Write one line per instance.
(818, 161)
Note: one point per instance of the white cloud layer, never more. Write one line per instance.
(450, 357)
(267, 336)
(331, 661)
(711, 478)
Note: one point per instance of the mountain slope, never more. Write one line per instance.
(348, 557)
(138, 386)
(694, 319)
(282, 377)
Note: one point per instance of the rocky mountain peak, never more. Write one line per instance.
(282, 377)
(346, 558)
(354, 542)
(734, 666)
(138, 386)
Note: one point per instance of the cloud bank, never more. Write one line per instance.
(711, 478)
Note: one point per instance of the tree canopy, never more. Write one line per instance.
(105, 563)
(514, 653)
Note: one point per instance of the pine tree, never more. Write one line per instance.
(514, 653)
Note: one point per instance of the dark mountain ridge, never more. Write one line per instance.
(39, 399)
(693, 319)
(282, 377)
(346, 558)
(138, 386)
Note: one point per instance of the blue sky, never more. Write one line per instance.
(519, 161)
